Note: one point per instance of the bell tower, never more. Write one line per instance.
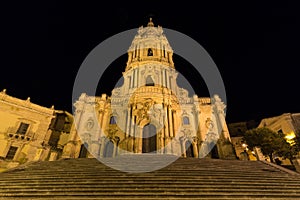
(150, 60)
(149, 45)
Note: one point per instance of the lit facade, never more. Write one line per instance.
(288, 124)
(30, 132)
(149, 113)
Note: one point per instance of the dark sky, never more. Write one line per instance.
(255, 46)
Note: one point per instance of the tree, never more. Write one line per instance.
(267, 140)
(290, 149)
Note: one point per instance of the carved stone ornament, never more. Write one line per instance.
(209, 124)
(89, 124)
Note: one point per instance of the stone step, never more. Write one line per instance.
(184, 179)
(164, 195)
(156, 190)
(149, 186)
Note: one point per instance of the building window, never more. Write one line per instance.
(113, 120)
(149, 81)
(186, 120)
(11, 153)
(150, 52)
(22, 128)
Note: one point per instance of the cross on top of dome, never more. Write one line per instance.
(150, 23)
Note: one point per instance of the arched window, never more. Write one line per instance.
(186, 120)
(150, 52)
(113, 120)
(149, 81)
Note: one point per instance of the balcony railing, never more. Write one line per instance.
(12, 133)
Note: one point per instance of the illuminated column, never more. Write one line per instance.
(128, 122)
(167, 145)
(195, 147)
(132, 79)
(100, 120)
(161, 144)
(104, 122)
(225, 132)
(163, 78)
(129, 56)
(183, 150)
(166, 122)
(170, 121)
(102, 146)
(135, 78)
(73, 132)
(140, 139)
(167, 77)
(175, 121)
(131, 132)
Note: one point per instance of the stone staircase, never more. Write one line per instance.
(186, 178)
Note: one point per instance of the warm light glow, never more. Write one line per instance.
(244, 145)
(252, 152)
(289, 137)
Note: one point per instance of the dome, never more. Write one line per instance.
(150, 37)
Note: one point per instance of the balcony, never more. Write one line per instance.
(12, 133)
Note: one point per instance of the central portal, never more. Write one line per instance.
(149, 139)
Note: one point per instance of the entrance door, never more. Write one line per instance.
(109, 149)
(83, 150)
(214, 152)
(189, 149)
(149, 139)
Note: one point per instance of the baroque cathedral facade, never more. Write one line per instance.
(149, 113)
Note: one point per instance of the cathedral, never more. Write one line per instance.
(149, 113)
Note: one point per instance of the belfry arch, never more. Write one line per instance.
(149, 81)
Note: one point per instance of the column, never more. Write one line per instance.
(53, 156)
(140, 139)
(104, 121)
(132, 124)
(170, 121)
(168, 79)
(102, 147)
(76, 124)
(131, 80)
(225, 132)
(183, 150)
(167, 122)
(135, 78)
(162, 146)
(100, 119)
(130, 56)
(175, 121)
(167, 145)
(128, 122)
(195, 148)
(163, 78)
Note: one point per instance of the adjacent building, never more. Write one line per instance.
(237, 131)
(30, 132)
(288, 124)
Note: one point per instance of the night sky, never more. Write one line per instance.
(254, 45)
